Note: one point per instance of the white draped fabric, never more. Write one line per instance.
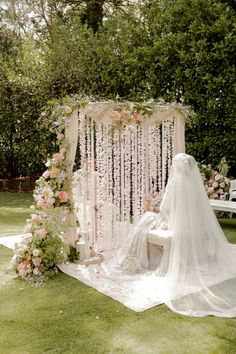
(71, 134)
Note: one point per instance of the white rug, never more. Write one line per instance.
(137, 292)
(10, 241)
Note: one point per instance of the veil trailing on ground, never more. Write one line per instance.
(194, 273)
(198, 275)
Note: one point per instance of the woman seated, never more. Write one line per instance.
(197, 274)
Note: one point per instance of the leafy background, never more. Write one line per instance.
(181, 50)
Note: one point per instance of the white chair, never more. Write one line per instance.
(160, 238)
(232, 190)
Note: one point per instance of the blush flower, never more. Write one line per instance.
(36, 261)
(63, 197)
(46, 174)
(37, 271)
(210, 190)
(36, 218)
(58, 157)
(41, 233)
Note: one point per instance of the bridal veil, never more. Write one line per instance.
(198, 275)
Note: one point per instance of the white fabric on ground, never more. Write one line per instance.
(10, 241)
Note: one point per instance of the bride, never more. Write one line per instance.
(197, 274)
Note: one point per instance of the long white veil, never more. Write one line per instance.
(199, 273)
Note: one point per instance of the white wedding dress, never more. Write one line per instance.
(197, 275)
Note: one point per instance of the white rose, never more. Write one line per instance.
(36, 252)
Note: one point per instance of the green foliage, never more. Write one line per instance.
(24, 145)
(73, 254)
(181, 50)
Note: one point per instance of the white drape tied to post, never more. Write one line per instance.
(71, 135)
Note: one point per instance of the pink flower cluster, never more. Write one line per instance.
(217, 187)
(25, 262)
(63, 196)
(152, 201)
(46, 224)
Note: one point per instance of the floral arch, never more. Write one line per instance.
(126, 151)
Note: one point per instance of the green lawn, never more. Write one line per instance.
(14, 210)
(66, 316)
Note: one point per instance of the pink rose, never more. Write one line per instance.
(210, 190)
(36, 261)
(26, 264)
(41, 233)
(37, 271)
(215, 184)
(36, 218)
(40, 201)
(63, 197)
(222, 185)
(46, 174)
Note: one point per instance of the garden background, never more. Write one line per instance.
(182, 50)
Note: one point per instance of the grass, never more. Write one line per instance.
(14, 210)
(66, 316)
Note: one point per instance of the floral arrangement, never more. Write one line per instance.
(42, 248)
(125, 116)
(134, 113)
(216, 183)
(152, 201)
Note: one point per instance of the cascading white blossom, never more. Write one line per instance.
(133, 158)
